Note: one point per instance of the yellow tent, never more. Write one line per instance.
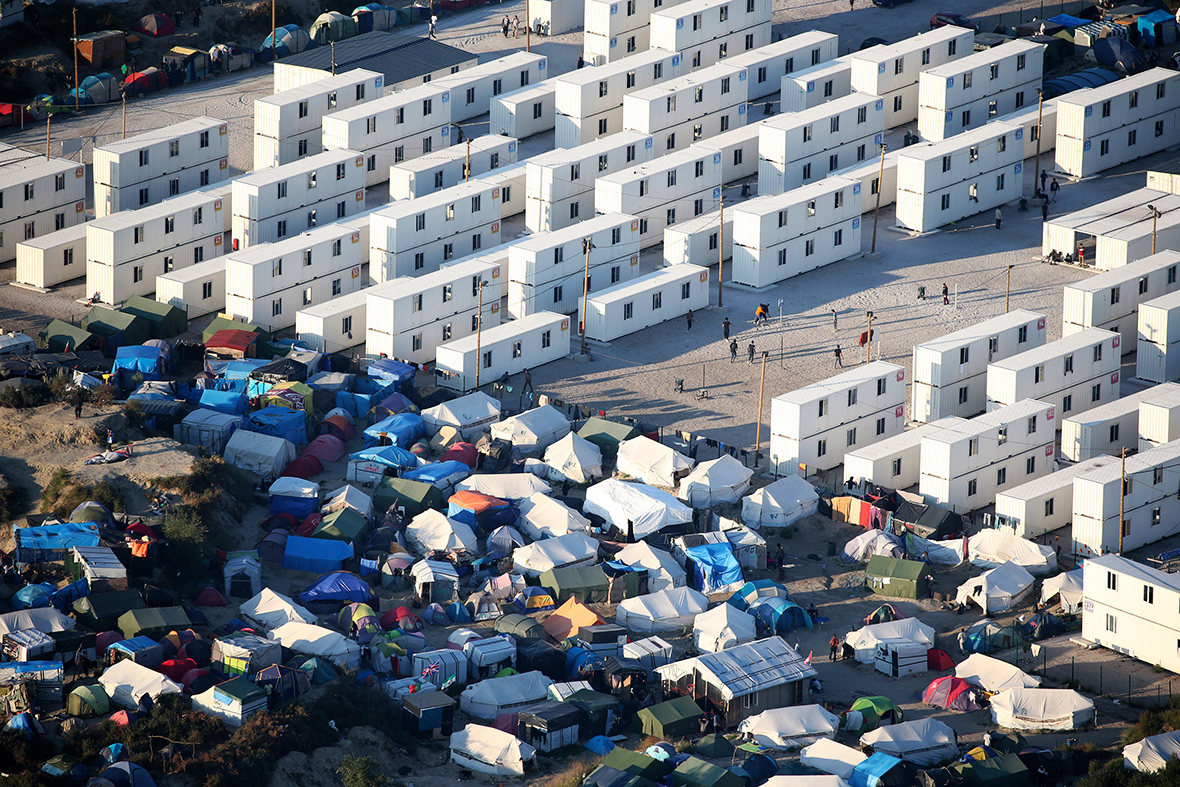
(293, 394)
(568, 618)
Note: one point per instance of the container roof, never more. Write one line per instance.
(583, 229)
(910, 438)
(319, 87)
(165, 134)
(840, 382)
(1055, 349)
(1126, 404)
(645, 283)
(399, 57)
(1055, 481)
(1009, 48)
(980, 330)
(698, 77)
(1119, 87)
(263, 177)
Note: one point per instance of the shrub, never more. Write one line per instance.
(17, 398)
(64, 493)
(187, 541)
(210, 480)
(361, 772)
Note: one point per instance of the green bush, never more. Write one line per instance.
(210, 480)
(361, 772)
(187, 541)
(64, 493)
(21, 397)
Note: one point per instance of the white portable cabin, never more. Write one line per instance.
(559, 185)
(803, 147)
(589, 101)
(819, 84)
(268, 283)
(276, 203)
(950, 372)
(813, 427)
(288, 125)
(739, 151)
(1027, 119)
(874, 175)
(51, 259)
(524, 112)
(449, 166)
(509, 348)
(546, 271)
(410, 317)
(1037, 507)
(1111, 300)
(709, 31)
(663, 191)
(148, 168)
(1158, 359)
(1102, 127)
(126, 251)
(1121, 227)
(511, 180)
(615, 29)
(967, 174)
(554, 17)
(696, 106)
(414, 237)
(473, 89)
(333, 325)
(894, 462)
(1151, 508)
(696, 241)
(1159, 418)
(1075, 373)
(892, 71)
(198, 289)
(768, 64)
(970, 91)
(38, 196)
(784, 235)
(1124, 611)
(392, 129)
(647, 300)
(964, 465)
(1110, 428)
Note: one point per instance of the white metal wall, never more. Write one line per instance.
(1027, 119)
(37, 197)
(1120, 619)
(810, 87)
(509, 348)
(557, 16)
(524, 112)
(615, 29)
(1044, 505)
(511, 181)
(1075, 373)
(333, 325)
(472, 90)
(1110, 428)
(1151, 508)
(447, 167)
(895, 462)
(198, 289)
(1158, 359)
(52, 259)
(1111, 300)
(648, 300)
(690, 108)
(708, 31)
(695, 241)
(768, 64)
(1159, 418)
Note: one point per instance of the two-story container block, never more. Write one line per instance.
(1076, 373)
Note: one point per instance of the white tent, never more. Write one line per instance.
(990, 548)
(924, 742)
(574, 458)
(1068, 585)
(650, 462)
(635, 509)
(779, 504)
(433, 530)
(991, 674)
(943, 553)
(543, 517)
(870, 543)
(572, 549)
(832, 757)
(663, 572)
(533, 431)
(491, 751)
(261, 454)
(790, 728)
(46, 620)
(996, 590)
(269, 610)
(242, 567)
(1152, 754)
(668, 610)
(127, 681)
(864, 640)
(209, 429)
(470, 414)
(506, 486)
(298, 488)
(723, 480)
(1041, 709)
(320, 642)
(435, 580)
(349, 496)
(511, 693)
(722, 627)
(748, 547)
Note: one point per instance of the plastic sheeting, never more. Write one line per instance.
(924, 742)
(433, 530)
(790, 728)
(312, 640)
(509, 486)
(1068, 586)
(573, 549)
(991, 548)
(722, 627)
(779, 504)
(992, 674)
(543, 517)
(494, 696)
(996, 590)
(635, 509)
(832, 757)
(668, 610)
(574, 458)
(663, 572)
(871, 543)
(126, 682)
(261, 454)
(1152, 754)
(491, 751)
(534, 430)
(470, 414)
(1041, 709)
(864, 640)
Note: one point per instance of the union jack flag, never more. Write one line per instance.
(431, 669)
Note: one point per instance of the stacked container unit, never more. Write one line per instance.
(891, 71)
(52, 259)
(38, 196)
(512, 181)
(198, 289)
(414, 237)
(690, 108)
(410, 318)
(1150, 505)
(970, 91)
(559, 185)
(1159, 418)
(964, 465)
(1103, 127)
(1111, 300)
(767, 65)
(288, 75)
(970, 173)
(288, 125)
(615, 29)
(709, 31)
(672, 187)
(472, 90)
(1027, 119)
(1108, 429)
(784, 235)
(803, 147)
(396, 128)
(546, 271)
(509, 348)
(554, 17)
(589, 101)
(1158, 359)
(895, 462)
(524, 112)
(810, 87)
(950, 372)
(148, 168)
(279, 202)
(696, 241)
(1043, 505)
(448, 167)
(1075, 373)
(813, 427)
(126, 251)
(333, 325)
(738, 149)
(648, 300)
(874, 175)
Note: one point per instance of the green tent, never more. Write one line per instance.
(153, 623)
(606, 776)
(713, 747)
(88, 701)
(521, 627)
(225, 323)
(346, 524)
(635, 763)
(891, 576)
(607, 434)
(588, 583)
(672, 719)
(165, 319)
(415, 496)
(1008, 742)
(242, 689)
(874, 709)
(101, 611)
(59, 337)
(1004, 771)
(695, 772)
(106, 323)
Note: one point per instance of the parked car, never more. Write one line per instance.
(890, 3)
(945, 18)
(868, 43)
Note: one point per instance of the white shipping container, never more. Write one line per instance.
(524, 112)
(895, 462)
(1108, 429)
(1111, 300)
(288, 75)
(511, 181)
(1159, 418)
(1043, 505)
(768, 64)
(708, 31)
(472, 90)
(648, 300)
(509, 348)
(810, 87)
(1158, 359)
(1027, 119)
(696, 241)
(615, 29)
(684, 110)
(333, 325)
(448, 167)
(875, 175)
(52, 259)
(198, 289)
(1150, 508)
(891, 71)
(738, 149)
(38, 196)
(554, 17)
(1074, 374)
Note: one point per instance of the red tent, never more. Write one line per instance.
(122, 718)
(155, 25)
(507, 722)
(142, 82)
(177, 668)
(338, 426)
(405, 619)
(280, 521)
(304, 467)
(209, 597)
(462, 452)
(309, 525)
(233, 342)
(938, 660)
(14, 115)
(951, 693)
(326, 448)
(475, 501)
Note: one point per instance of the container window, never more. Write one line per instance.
(276, 307)
(516, 349)
(174, 148)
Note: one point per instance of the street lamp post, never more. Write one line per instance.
(586, 247)
(479, 333)
(1155, 214)
(880, 188)
(1037, 160)
(720, 243)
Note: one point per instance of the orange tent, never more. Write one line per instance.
(568, 618)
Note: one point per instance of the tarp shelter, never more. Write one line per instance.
(1152, 753)
(208, 428)
(88, 701)
(292, 394)
(779, 504)
(1041, 709)
(543, 517)
(994, 675)
(233, 701)
(663, 572)
(165, 319)
(435, 580)
(831, 757)
(61, 337)
(712, 568)
(520, 627)
(49, 543)
(402, 430)
(533, 430)
(243, 653)
(574, 458)
(489, 655)
(1067, 586)
(316, 554)
(569, 618)
(1157, 29)
(346, 524)
(879, 770)
(332, 26)
(990, 548)
(125, 682)
(261, 454)
(331, 591)
(650, 462)
(870, 543)
(668, 610)
(470, 414)
(865, 640)
(573, 549)
(607, 435)
(1118, 53)
(413, 496)
(695, 772)
(232, 343)
(433, 530)
(890, 576)
(349, 497)
(924, 742)
(636, 764)
(400, 374)
(443, 475)
(675, 718)
(790, 728)
(491, 751)
(116, 328)
(587, 583)
(320, 642)
(278, 422)
(371, 465)
(243, 577)
(232, 403)
(550, 725)
(123, 774)
(294, 496)
(101, 611)
(478, 510)
(636, 510)
(154, 622)
(284, 682)
(494, 696)
(142, 650)
(996, 590)
(722, 627)
(391, 405)
(510, 486)
(723, 480)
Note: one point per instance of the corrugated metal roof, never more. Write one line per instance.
(1166, 302)
(1056, 349)
(326, 85)
(747, 669)
(975, 60)
(1055, 481)
(399, 57)
(1119, 87)
(982, 423)
(1169, 397)
(505, 330)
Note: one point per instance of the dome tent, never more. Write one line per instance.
(951, 693)
(868, 713)
(155, 25)
(292, 40)
(332, 26)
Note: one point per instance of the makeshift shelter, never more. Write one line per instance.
(372, 465)
(292, 394)
(480, 510)
(1067, 587)
(520, 627)
(488, 750)
(435, 580)
(287, 40)
(489, 655)
(233, 701)
(432, 530)
(871, 543)
(574, 458)
(1041, 709)
(950, 693)
(607, 435)
(482, 606)
(331, 591)
(994, 675)
(391, 405)
(695, 772)
(790, 728)
(348, 497)
(208, 428)
(243, 653)
(317, 641)
(294, 496)
(154, 622)
(588, 583)
(996, 590)
(534, 430)
(865, 640)
(667, 610)
(890, 576)
(722, 480)
(636, 510)
(412, 496)
(1118, 53)
(232, 343)
(495, 696)
(470, 414)
(261, 454)
(327, 448)
(512, 487)
(126, 681)
(1152, 753)
(779, 504)
(990, 548)
(550, 725)
(284, 682)
(61, 337)
(88, 701)
(833, 758)
(116, 328)
(543, 517)
(880, 770)
(428, 714)
(569, 618)
(637, 765)
(316, 554)
(663, 572)
(570, 550)
(651, 652)
(722, 627)
(675, 718)
(346, 524)
(444, 475)
(142, 650)
(748, 547)
(402, 430)
(278, 422)
(399, 373)
(165, 320)
(650, 462)
(925, 742)
(359, 622)
(534, 599)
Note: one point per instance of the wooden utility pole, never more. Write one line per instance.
(1122, 495)
(1155, 214)
(274, 43)
(528, 28)
(586, 247)
(880, 188)
(467, 164)
(479, 333)
(48, 123)
(333, 43)
(869, 340)
(1037, 160)
(76, 85)
(758, 429)
(720, 245)
(124, 116)
(1007, 289)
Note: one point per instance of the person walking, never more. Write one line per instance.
(433, 22)
(528, 382)
(688, 320)
(179, 16)
(833, 648)
(945, 295)
(1054, 187)
(999, 217)
(733, 348)
(1045, 210)
(505, 23)
(78, 405)
(750, 349)
(725, 325)
(1044, 177)
(839, 362)
(197, 16)
(835, 321)
(515, 26)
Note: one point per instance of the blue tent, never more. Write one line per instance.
(1155, 29)
(778, 616)
(279, 422)
(292, 40)
(239, 369)
(316, 554)
(443, 475)
(402, 430)
(1065, 20)
(123, 774)
(711, 567)
(1120, 53)
(366, 393)
(458, 612)
(873, 771)
(754, 590)
(757, 767)
(33, 596)
(580, 663)
(389, 455)
(50, 542)
(228, 402)
(388, 369)
(1090, 77)
(148, 361)
(334, 590)
(64, 598)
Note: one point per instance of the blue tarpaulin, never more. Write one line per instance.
(365, 395)
(241, 368)
(64, 598)
(279, 422)
(388, 369)
(316, 554)
(228, 402)
(713, 567)
(402, 430)
(1065, 20)
(338, 587)
(1157, 29)
(33, 596)
(871, 772)
(778, 616)
(388, 455)
(148, 361)
(43, 544)
(443, 475)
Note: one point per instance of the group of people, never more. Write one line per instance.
(513, 23)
